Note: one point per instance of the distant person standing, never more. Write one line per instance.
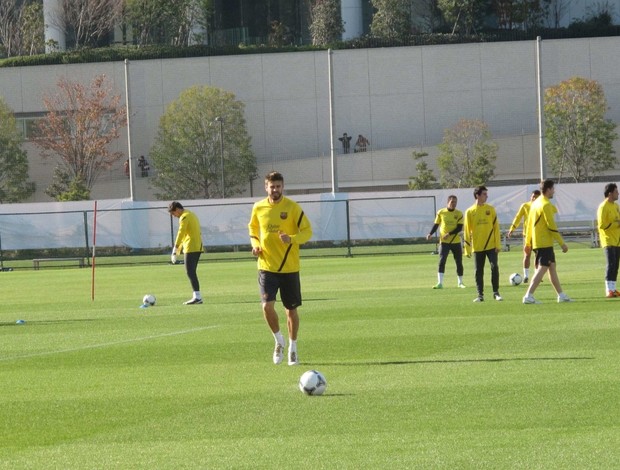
(522, 214)
(144, 166)
(449, 220)
(278, 226)
(482, 237)
(189, 240)
(608, 223)
(541, 232)
(346, 142)
(361, 144)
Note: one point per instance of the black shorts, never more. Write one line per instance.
(287, 283)
(545, 256)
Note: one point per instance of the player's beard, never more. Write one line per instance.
(275, 196)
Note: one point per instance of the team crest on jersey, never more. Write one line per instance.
(284, 215)
(488, 212)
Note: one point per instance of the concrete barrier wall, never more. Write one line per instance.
(401, 99)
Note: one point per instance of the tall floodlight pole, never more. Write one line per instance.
(332, 122)
(129, 158)
(221, 122)
(541, 120)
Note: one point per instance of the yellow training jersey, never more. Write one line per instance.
(189, 236)
(448, 221)
(541, 227)
(481, 229)
(608, 220)
(522, 214)
(267, 222)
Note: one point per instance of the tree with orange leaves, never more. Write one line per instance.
(81, 123)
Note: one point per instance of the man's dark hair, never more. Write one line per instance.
(274, 176)
(610, 188)
(536, 192)
(174, 205)
(546, 185)
(478, 190)
(452, 196)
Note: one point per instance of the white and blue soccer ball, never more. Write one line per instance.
(515, 279)
(312, 382)
(149, 299)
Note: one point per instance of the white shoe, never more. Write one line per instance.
(461, 285)
(293, 360)
(564, 298)
(497, 297)
(529, 299)
(278, 353)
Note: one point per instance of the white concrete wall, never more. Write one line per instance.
(401, 99)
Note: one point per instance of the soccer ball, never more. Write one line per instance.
(148, 299)
(312, 382)
(515, 279)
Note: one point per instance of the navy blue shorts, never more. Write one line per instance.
(287, 283)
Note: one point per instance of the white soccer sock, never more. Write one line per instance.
(608, 286)
(526, 272)
(292, 345)
(279, 338)
(197, 294)
(440, 278)
(460, 278)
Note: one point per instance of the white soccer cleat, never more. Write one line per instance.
(497, 297)
(293, 360)
(278, 353)
(461, 285)
(529, 299)
(564, 298)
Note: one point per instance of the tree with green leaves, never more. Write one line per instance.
(202, 149)
(465, 16)
(168, 21)
(392, 19)
(88, 21)
(326, 24)
(467, 155)
(14, 184)
(81, 123)
(578, 138)
(521, 14)
(21, 27)
(424, 178)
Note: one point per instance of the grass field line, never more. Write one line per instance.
(111, 343)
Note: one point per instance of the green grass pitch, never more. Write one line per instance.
(417, 378)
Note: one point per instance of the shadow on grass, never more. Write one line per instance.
(46, 322)
(450, 361)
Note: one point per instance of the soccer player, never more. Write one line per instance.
(608, 220)
(481, 233)
(541, 232)
(188, 239)
(278, 226)
(522, 214)
(450, 223)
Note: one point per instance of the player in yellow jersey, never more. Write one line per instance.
(449, 220)
(482, 237)
(608, 223)
(541, 232)
(189, 240)
(278, 226)
(522, 214)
